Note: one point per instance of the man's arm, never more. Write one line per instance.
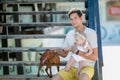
(93, 56)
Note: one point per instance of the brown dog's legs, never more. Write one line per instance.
(50, 71)
(47, 71)
(50, 75)
(58, 68)
(40, 66)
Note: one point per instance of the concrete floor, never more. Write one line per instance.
(24, 79)
(111, 57)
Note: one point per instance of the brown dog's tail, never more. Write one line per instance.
(40, 53)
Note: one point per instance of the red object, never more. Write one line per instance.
(114, 10)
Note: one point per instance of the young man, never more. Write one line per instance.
(87, 72)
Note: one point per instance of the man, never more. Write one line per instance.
(87, 72)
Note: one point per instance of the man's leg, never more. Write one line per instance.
(86, 73)
(66, 75)
(83, 76)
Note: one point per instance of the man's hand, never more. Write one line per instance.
(67, 49)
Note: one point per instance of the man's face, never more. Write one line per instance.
(75, 20)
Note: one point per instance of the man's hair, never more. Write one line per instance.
(75, 10)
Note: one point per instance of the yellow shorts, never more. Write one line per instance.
(71, 74)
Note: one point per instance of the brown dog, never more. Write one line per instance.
(49, 58)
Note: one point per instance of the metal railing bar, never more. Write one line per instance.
(25, 63)
(26, 49)
(38, 12)
(38, 1)
(38, 24)
(21, 36)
